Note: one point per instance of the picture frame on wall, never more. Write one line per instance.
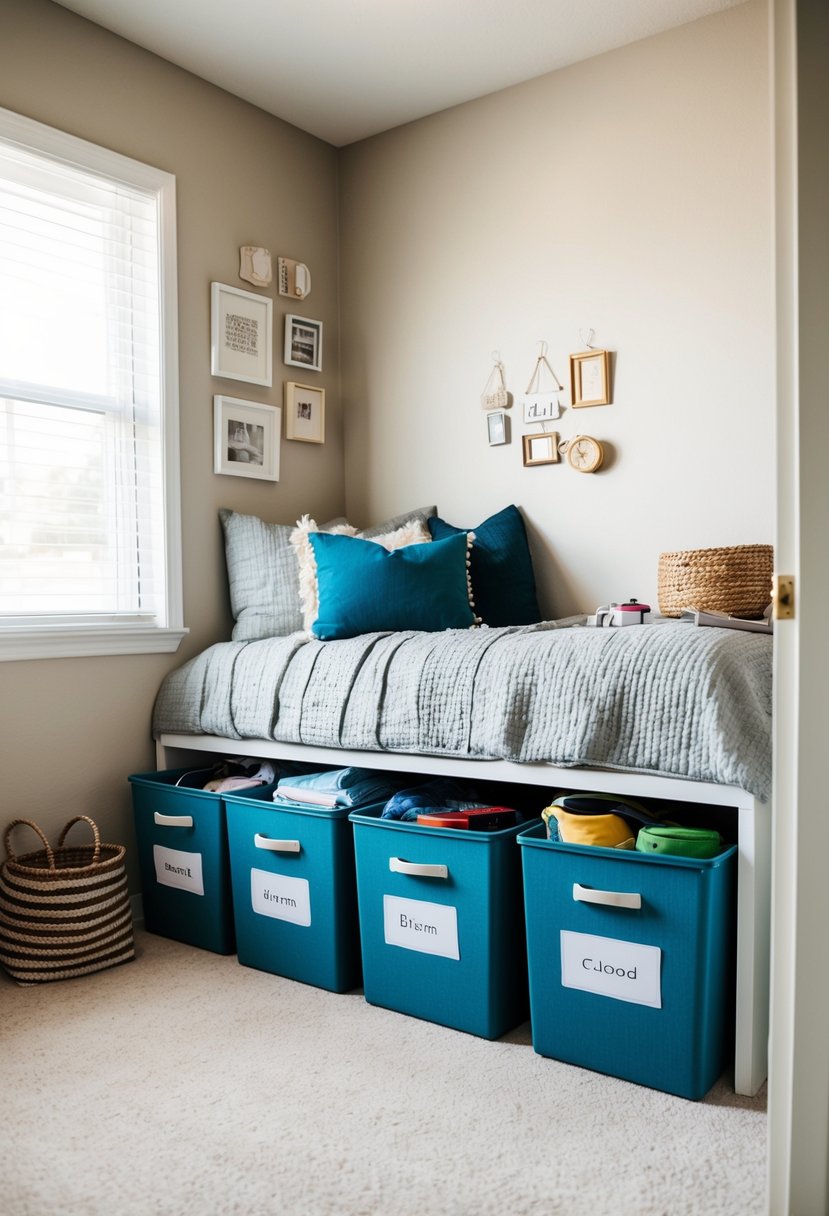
(497, 428)
(541, 448)
(590, 378)
(241, 327)
(246, 438)
(303, 343)
(304, 412)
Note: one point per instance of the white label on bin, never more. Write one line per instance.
(175, 868)
(417, 924)
(279, 896)
(626, 971)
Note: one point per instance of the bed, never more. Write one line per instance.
(666, 711)
(349, 652)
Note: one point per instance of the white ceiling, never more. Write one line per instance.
(347, 69)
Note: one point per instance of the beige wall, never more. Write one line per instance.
(72, 730)
(630, 194)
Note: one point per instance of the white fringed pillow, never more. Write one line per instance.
(413, 532)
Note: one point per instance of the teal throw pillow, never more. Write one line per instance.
(365, 588)
(503, 581)
(263, 575)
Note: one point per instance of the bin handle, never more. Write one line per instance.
(613, 899)
(422, 870)
(276, 846)
(173, 821)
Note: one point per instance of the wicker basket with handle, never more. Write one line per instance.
(64, 911)
(735, 579)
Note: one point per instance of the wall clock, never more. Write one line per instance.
(584, 454)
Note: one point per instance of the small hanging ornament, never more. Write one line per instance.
(542, 405)
(495, 395)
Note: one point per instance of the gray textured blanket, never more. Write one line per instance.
(669, 698)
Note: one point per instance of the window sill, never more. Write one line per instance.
(85, 641)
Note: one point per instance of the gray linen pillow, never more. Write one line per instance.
(263, 575)
(397, 521)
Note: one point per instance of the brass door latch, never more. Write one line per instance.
(782, 597)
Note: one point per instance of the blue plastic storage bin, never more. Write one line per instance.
(184, 861)
(631, 961)
(441, 923)
(294, 891)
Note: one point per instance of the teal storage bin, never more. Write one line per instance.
(184, 861)
(441, 923)
(631, 961)
(294, 891)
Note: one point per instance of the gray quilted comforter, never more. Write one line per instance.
(668, 698)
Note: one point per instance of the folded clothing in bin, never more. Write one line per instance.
(443, 793)
(229, 776)
(340, 787)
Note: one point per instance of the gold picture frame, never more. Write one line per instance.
(304, 412)
(590, 378)
(541, 448)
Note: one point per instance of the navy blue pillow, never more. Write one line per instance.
(503, 582)
(365, 588)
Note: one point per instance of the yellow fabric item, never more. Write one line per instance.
(606, 831)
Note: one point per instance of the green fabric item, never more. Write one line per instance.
(679, 841)
(364, 588)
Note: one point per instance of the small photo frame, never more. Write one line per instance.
(590, 378)
(303, 343)
(240, 335)
(497, 428)
(541, 448)
(246, 438)
(304, 413)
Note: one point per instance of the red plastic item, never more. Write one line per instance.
(479, 818)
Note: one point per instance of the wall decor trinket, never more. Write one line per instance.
(542, 405)
(495, 395)
(255, 265)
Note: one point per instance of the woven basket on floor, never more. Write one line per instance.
(736, 580)
(65, 911)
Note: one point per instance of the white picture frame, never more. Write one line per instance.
(241, 329)
(304, 412)
(303, 343)
(497, 428)
(246, 438)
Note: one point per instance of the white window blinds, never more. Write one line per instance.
(84, 419)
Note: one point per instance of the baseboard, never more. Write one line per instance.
(137, 905)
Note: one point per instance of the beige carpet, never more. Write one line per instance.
(185, 1083)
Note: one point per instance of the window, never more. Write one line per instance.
(89, 497)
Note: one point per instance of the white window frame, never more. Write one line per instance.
(66, 637)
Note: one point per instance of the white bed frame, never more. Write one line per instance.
(753, 844)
